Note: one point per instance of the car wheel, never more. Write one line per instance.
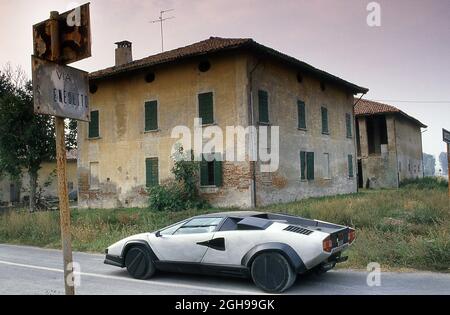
(272, 272)
(139, 263)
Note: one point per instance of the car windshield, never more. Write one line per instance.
(199, 225)
(171, 229)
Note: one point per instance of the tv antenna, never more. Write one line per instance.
(161, 21)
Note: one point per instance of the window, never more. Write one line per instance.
(307, 165)
(206, 108)
(326, 166)
(94, 131)
(348, 124)
(350, 166)
(152, 172)
(200, 225)
(263, 107)
(301, 115)
(172, 229)
(94, 181)
(211, 172)
(325, 129)
(151, 116)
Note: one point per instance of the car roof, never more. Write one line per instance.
(234, 214)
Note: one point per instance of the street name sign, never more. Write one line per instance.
(60, 90)
(446, 136)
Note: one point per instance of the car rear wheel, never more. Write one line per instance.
(272, 272)
(139, 263)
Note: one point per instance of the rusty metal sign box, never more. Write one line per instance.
(59, 90)
(446, 136)
(74, 36)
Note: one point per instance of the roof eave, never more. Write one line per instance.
(412, 119)
(250, 44)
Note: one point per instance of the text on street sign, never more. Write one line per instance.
(59, 90)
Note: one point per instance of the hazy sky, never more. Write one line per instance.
(407, 58)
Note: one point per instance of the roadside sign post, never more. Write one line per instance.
(62, 92)
(446, 137)
(64, 210)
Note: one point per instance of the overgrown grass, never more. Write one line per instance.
(405, 228)
(425, 183)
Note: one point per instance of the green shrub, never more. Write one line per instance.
(181, 193)
(167, 197)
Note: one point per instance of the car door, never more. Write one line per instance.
(234, 244)
(188, 242)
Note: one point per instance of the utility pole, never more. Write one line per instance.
(446, 138)
(448, 158)
(161, 20)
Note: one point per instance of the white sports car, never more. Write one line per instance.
(270, 248)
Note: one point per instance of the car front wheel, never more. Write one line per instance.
(272, 272)
(139, 263)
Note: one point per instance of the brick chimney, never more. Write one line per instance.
(124, 53)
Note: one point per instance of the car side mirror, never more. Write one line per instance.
(158, 234)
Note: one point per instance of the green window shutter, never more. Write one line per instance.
(301, 115)
(263, 108)
(93, 125)
(350, 166)
(325, 120)
(348, 123)
(310, 165)
(206, 108)
(151, 116)
(303, 165)
(204, 172)
(152, 172)
(218, 173)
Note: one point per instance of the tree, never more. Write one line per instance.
(429, 164)
(26, 139)
(443, 160)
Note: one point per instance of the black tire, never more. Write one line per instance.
(272, 272)
(139, 263)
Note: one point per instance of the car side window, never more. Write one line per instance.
(199, 225)
(230, 224)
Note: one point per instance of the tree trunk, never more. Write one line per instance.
(33, 185)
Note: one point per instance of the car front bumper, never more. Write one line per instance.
(114, 261)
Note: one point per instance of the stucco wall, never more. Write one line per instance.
(409, 149)
(123, 145)
(284, 91)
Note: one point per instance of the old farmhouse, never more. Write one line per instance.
(389, 145)
(227, 82)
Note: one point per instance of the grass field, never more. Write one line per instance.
(407, 228)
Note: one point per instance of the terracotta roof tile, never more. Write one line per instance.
(367, 108)
(211, 45)
(217, 44)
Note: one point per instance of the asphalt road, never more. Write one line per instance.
(35, 271)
